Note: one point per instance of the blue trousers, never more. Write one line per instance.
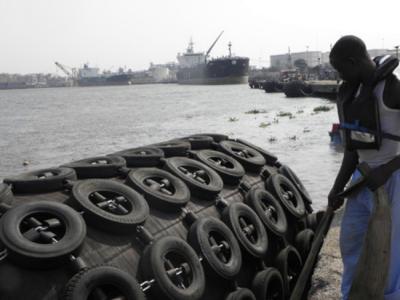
(354, 226)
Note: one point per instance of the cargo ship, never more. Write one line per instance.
(197, 68)
(88, 76)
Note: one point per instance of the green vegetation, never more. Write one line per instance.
(323, 108)
(256, 111)
(264, 125)
(284, 114)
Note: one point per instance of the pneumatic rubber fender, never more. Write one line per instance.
(105, 282)
(172, 254)
(41, 181)
(110, 205)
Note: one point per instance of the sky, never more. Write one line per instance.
(132, 33)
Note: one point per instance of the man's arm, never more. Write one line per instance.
(349, 163)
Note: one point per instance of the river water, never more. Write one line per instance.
(49, 127)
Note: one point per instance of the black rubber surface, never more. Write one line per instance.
(42, 234)
(173, 148)
(41, 181)
(202, 181)
(287, 193)
(251, 159)
(217, 245)
(124, 238)
(268, 209)
(247, 227)
(199, 141)
(230, 170)
(110, 205)
(241, 294)
(161, 189)
(270, 158)
(268, 284)
(102, 282)
(176, 269)
(141, 157)
(303, 242)
(289, 264)
(97, 167)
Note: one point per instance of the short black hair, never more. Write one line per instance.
(349, 46)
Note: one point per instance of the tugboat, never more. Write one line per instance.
(196, 68)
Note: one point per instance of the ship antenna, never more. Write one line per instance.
(230, 50)
(190, 47)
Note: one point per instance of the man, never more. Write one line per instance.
(369, 113)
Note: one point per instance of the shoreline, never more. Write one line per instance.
(326, 279)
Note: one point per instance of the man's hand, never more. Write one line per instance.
(335, 201)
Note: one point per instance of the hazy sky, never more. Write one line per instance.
(132, 33)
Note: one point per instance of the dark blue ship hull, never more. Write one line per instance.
(230, 70)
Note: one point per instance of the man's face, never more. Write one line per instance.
(347, 68)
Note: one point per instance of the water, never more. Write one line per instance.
(49, 127)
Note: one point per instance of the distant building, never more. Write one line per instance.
(287, 60)
(314, 58)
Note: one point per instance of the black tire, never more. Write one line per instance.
(21, 231)
(173, 148)
(247, 227)
(167, 254)
(41, 181)
(289, 264)
(313, 220)
(251, 159)
(303, 242)
(206, 185)
(230, 170)
(268, 209)
(241, 294)
(6, 194)
(287, 193)
(217, 245)
(110, 205)
(106, 281)
(269, 157)
(268, 285)
(199, 141)
(217, 137)
(141, 157)
(97, 167)
(289, 173)
(161, 189)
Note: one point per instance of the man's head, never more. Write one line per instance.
(350, 58)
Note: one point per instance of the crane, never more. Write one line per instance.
(70, 72)
(213, 44)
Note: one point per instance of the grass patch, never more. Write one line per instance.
(256, 111)
(233, 119)
(323, 108)
(284, 114)
(264, 125)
